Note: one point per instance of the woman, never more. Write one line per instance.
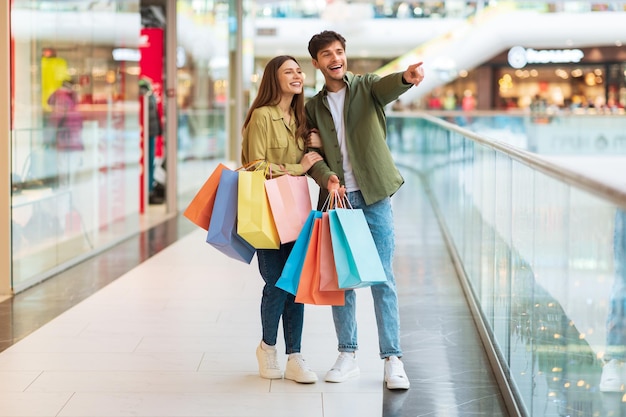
(274, 132)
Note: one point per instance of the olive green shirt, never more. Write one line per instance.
(365, 130)
(268, 138)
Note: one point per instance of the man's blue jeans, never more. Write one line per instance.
(276, 302)
(379, 216)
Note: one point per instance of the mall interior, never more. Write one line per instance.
(510, 243)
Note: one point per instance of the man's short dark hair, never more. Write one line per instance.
(324, 39)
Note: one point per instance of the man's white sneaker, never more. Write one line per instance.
(395, 377)
(345, 367)
(268, 362)
(298, 370)
(611, 379)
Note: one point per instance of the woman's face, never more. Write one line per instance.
(290, 78)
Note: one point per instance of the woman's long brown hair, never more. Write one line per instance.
(269, 95)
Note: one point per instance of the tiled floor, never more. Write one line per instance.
(173, 329)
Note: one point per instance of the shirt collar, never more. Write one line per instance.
(347, 78)
(275, 112)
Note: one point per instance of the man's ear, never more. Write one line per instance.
(315, 64)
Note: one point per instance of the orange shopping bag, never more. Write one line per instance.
(201, 207)
(309, 286)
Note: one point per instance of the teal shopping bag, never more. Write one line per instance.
(290, 276)
(356, 257)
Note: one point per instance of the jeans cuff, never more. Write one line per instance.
(348, 348)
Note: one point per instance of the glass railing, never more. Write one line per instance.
(540, 250)
(589, 132)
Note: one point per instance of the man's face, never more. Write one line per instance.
(332, 62)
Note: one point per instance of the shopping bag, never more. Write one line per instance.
(356, 257)
(309, 285)
(200, 209)
(290, 276)
(222, 233)
(290, 202)
(254, 216)
(328, 271)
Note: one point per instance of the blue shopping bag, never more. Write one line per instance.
(222, 233)
(290, 276)
(356, 257)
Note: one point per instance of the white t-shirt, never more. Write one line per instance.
(336, 102)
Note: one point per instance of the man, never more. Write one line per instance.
(349, 115)
(154, 129)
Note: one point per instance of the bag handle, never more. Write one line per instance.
(261, 164)
(253, 164)
(268, 170)
(333, 201)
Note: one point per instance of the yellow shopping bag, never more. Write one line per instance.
(255, 223)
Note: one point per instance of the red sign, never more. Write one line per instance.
(151, 70)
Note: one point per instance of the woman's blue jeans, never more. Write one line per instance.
(277, 303)
(379, 216)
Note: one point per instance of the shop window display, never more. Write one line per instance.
(74, 136)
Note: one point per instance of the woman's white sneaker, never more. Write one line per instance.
(298, 370)
(268, 362)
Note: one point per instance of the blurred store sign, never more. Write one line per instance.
(126, 54)
(519, 56)
(134, 55)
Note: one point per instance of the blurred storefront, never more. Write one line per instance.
(579, 80)
(75, 127)
(66, 80)
(565, 79)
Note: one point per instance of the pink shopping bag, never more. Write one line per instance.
(290, 202)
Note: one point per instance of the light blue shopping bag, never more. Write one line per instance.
(290, 276)
(356, 257)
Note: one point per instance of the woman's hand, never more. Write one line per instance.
(314, 140)
(309, 159)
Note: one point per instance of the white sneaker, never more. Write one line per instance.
(611, 379)
(268, 362)
(298, 370)
(395, 377)
(345, 367)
